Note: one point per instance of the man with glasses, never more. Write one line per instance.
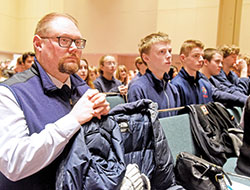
(106, 81)
(42, 108)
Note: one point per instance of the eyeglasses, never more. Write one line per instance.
(66, 42)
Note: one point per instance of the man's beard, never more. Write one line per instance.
(69, 67)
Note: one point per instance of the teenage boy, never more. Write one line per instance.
(227, 77)
(155, 50)
(193, 89)
(212, 66)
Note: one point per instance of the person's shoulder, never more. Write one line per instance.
(141, 82)
(203, 78)
(21, 77)
(178, 79)
(97, 80)
(118, 82)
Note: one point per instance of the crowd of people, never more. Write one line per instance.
(207, 75)
(47, 101)
(211, 74)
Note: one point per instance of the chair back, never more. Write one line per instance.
(178, 134)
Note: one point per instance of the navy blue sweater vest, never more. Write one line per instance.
(41, 103)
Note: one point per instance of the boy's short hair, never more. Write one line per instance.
(209, 53)
(151, 39)
(229, 50)
(188, 45)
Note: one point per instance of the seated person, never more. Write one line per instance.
(38, 118)
(155, 50)
(226, 76)
(212, 66)
(173, 72)
(122, 74)
(83, 70)
(192, 87)
(106, 81)
(141, 66)
(25, 62)
(93, 74)
(19, 65)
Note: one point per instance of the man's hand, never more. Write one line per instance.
(241, 66)
(91, 104)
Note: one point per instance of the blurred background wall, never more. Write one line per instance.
(116, 26)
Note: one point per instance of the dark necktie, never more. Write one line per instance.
(65, 92)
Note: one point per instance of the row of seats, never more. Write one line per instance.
(115, 99)
(178, 133)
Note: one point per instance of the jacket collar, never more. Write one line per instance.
(183, 73)
(156, 83)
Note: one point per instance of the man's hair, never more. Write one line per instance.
(229, 50)
(138, 60)
(209, 53)
(43, 25)
(151, 39)
(26, 55)
(188, 45)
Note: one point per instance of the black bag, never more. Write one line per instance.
(210, 124)
(195, 173)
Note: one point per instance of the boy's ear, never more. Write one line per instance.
(145, 57)
(206, 62)
(182, 57)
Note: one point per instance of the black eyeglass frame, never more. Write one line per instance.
(83, 41)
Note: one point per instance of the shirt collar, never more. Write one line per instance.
(58, 83)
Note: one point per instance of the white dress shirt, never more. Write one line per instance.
(22, 155)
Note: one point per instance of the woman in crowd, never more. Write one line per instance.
(93, 74)
(83, 72)
(122, 74)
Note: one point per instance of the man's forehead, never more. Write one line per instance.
(63, 24)
(197, 50)
(162, 43)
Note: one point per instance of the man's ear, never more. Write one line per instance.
(37, 43)
(145, 57)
